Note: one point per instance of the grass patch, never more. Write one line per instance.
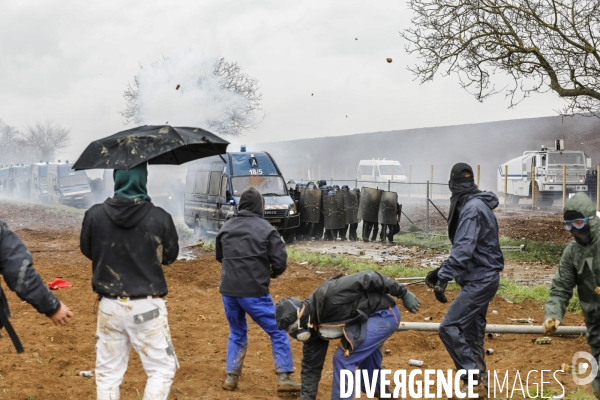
(58, 209)
(509, 290)
(327, 260)
(534, 251)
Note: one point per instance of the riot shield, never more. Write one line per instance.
(334, 211)
(350, 206)
(311, 212)
(388, 213)
(301, 190)
(368, 206)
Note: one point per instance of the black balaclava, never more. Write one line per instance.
(251, 200)
(462, 185)
(286, 312)
(582, 236)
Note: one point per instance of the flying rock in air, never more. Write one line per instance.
(389, 60)
(178, 86)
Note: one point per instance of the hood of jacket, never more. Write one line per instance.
(489, 198)
(582, 203)
(126, 212)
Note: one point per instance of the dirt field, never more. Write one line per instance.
(54, 356)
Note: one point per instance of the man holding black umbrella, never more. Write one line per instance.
(128, 240)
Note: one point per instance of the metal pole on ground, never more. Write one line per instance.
(494, 328)
(478, 174)
(427, 210)
(533, 187)
(505, 183)
(564, 186)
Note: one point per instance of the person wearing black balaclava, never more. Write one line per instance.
(252, 253)
(475, 263)
(579, 267)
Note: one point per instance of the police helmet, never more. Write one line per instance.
(345, 187)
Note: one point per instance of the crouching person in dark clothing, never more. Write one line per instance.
(357, 308)
(128, 240)
(252, 253)
(16, 267)
(475, 263)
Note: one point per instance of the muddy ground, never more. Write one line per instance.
(54, 356)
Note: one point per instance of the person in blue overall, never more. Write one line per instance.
(357, 308)
(252, 252)
(475, 263)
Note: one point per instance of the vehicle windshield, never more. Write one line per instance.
(265, 184)
(395, 170)
(565, 158)
(73, 180)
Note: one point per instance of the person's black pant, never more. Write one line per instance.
(367, 227)
(463, 327)
(353, 235)
(343, 232)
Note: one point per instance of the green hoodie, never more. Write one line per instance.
(132, 183)
(579, 266)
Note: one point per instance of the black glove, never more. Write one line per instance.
(273, 275)
(432, 278)
(439, 289)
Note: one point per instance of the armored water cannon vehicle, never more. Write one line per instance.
(548, 179)
(38, 187)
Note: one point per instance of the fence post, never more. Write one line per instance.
(331, 174)
(410, 178)
(427, 210)
(388, 185)
(356, 183)
(478, 175)
(532, 187)
(564, 185)
(430, 181)
(505, 183)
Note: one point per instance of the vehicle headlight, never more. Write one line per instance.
(581, 180)
(293, 209)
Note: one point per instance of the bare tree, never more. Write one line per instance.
(46, 139)
(237, 119)
(9, 143)
(540, 44)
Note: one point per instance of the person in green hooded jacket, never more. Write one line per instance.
(579, 267)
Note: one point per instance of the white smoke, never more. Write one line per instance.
(201, 100)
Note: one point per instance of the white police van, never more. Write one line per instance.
(214, 186)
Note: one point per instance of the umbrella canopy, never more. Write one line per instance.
(155, 144)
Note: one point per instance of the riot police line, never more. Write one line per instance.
(333, 212)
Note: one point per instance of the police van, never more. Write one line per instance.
(67, 186)
(378, 172)
(214, 185)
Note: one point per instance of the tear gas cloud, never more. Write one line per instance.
(201, 100)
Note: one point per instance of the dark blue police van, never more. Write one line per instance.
(214, 186)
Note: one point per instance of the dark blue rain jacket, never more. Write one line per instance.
(476, 253)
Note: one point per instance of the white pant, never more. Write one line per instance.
(142, 324)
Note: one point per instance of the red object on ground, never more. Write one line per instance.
(58, 283)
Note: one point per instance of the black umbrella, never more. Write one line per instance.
(155, 144)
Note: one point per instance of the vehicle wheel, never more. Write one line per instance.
(198, 228)
(512, 199)
(288, 237)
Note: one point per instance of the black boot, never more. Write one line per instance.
(286, 384)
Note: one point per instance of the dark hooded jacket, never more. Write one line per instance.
(579, 266)
(348, 301)
(250, 249)
(16, 267)
(128, 241)
(476, 253)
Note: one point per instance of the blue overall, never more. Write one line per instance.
(262, 311)
(380, 326)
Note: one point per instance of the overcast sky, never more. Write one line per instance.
(70, 61)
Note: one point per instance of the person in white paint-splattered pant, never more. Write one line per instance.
(128, 240)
